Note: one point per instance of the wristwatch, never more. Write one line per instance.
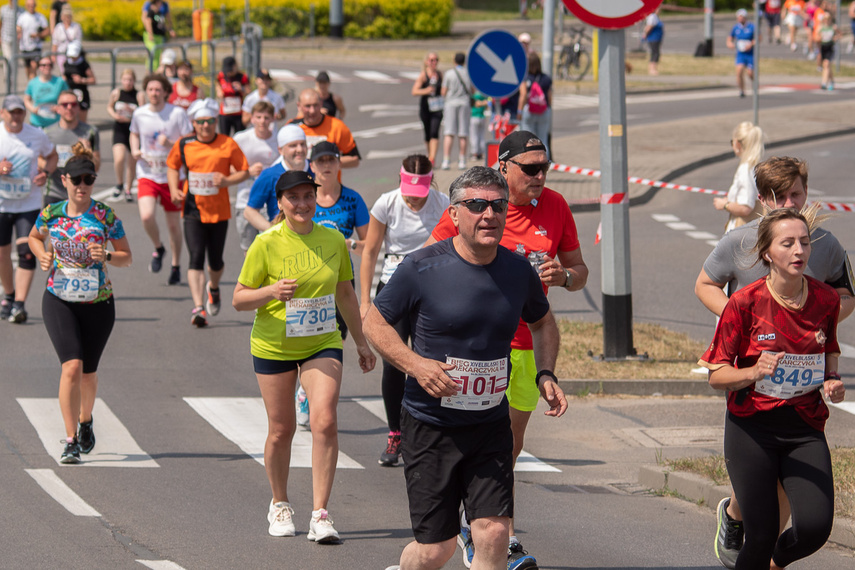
(545, 373)
(568, 279)
(109, 256)
(353, 245)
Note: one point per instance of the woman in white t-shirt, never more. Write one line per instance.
(741, 202)
(65, 32)
(401, 219)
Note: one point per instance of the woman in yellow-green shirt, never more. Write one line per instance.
(294, 276)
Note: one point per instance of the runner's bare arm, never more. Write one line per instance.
(729, 378)
(249, 298)
(573, 262)
(370, 251)
(135, 146)
(175, 191)
(430, 374)
(36, 241)
(256, 219)
(710, 293)
(545, 339)
(847, 303)
(349, 161)
(348, 306)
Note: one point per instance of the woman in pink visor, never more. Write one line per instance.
(401, 220)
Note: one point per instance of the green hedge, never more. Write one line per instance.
(719, 4)
(119, 20)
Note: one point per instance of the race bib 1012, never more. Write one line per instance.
(482, 383)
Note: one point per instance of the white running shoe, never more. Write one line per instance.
(445, 164)
(301, 402)
(280, 519)
(461, 164)
(321, 527)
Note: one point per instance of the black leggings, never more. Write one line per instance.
(392, 383)
(78, 331)
(759, 451)
(201, 237)
(431, 123)
(230, 124)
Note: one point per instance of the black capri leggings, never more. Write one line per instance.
(392, 383)
(202, 238)
(78, 331)
(759, 451)
(431, 123)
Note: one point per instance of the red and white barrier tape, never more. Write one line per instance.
(608, 198)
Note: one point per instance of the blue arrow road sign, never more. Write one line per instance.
(497, 63)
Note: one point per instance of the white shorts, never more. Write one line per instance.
(455, 120)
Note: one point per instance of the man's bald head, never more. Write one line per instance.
(309, 105)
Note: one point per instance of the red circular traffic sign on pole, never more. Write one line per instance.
(611, 14)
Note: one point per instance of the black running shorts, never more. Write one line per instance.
(446, 465)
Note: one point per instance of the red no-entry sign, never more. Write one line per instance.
(611, 14)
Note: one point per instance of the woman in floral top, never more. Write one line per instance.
(77, 306)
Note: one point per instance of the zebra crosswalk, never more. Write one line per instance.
(242, 421)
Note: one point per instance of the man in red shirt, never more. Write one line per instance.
(538, 226)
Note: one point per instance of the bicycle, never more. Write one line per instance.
(575, 59)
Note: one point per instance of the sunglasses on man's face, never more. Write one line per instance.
(69, 104)
(478, 205)
(87, 179)
(45, 65)
(533, 169)
(211, 121)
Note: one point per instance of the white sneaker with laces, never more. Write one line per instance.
(279, 515)
(321, 527)
(445, 165)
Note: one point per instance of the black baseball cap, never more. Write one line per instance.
(80, 167)
(323, 77)
(293, 178)
(325, 148)
(517, 143)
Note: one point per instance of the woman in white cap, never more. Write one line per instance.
(213, 162)
(300, 298)
(167, 66)
(64, 33)
(79, 76)
(403, 220)
(77, 305)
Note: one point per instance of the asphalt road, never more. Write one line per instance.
(175, 477)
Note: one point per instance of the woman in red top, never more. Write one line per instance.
(232, 86)
(775, 351)
(184, 91)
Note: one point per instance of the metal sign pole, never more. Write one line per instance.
(755, 82)
(13, 65)
(548, 36)
(709, 9)
(614, 202)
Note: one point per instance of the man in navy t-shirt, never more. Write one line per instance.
(742, 39)
(464, 297)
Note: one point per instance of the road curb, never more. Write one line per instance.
(640, 387)
(704, 492)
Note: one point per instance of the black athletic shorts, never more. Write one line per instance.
(19, 222)
(446, 465)
(78, 331)
(267, 366)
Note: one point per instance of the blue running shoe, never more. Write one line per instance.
(519, 559)
(464, 540)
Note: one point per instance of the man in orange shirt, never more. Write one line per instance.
(214, 162)
(319, 127)
(538, 226)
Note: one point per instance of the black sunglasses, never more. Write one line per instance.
(88, 179)
(533, 169)
(479, 205)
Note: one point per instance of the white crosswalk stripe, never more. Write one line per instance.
(574, 101)
(375, 76)
(286, 75)
(334, 77)
(390, 130)
(160, 564)
(50, 482)
(525, 462)
(244, 422)
(411, 75)
(115, 447)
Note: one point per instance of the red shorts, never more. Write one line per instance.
(146, 187)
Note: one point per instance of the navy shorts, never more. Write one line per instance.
(266, 366)
(446, 465)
